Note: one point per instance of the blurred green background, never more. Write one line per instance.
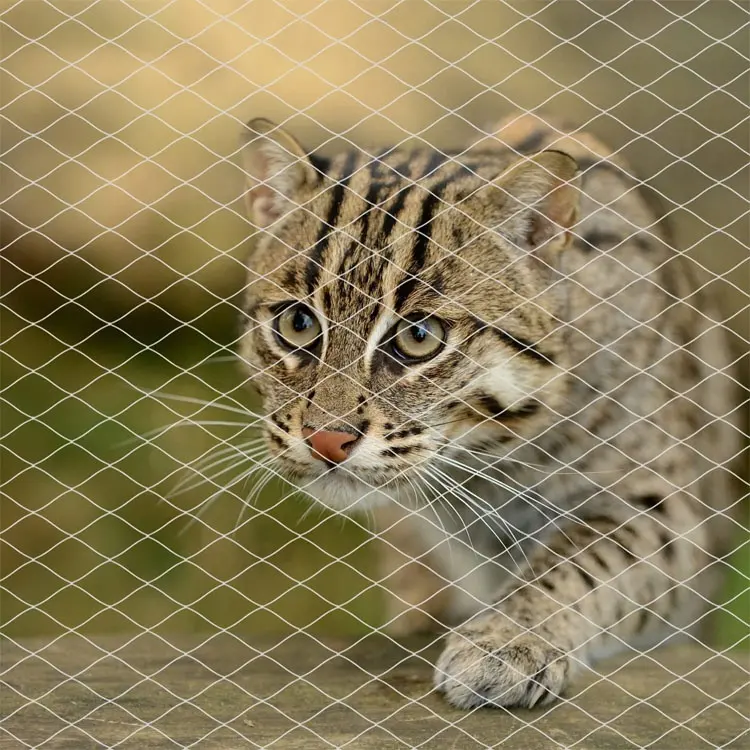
(122, 247)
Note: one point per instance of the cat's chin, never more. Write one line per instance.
(347, 494)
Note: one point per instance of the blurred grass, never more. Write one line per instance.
(92, 540)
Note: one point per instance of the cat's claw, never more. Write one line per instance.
(500, 668)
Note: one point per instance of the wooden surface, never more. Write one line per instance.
(226, 693)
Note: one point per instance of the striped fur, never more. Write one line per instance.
(559, 468)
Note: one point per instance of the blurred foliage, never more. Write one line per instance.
(122, 246)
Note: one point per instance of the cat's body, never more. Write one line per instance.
(558, 463)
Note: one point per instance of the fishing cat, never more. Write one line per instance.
(498, 354)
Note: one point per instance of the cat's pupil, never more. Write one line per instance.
(419, 333)
(302, 321)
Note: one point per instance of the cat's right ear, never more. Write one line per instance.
(277, 168)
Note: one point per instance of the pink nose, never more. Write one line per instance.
(329, 445)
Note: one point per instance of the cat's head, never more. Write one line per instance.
(401, 310)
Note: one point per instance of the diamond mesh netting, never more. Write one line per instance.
(162, 585)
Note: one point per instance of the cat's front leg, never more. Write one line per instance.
(492, 660)
(431, 577)
(593, 587)
(416, 595)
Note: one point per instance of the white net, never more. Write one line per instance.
(162, 585)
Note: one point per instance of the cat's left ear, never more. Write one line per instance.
(277, 169)
(540, 196)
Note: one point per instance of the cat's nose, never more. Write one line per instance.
(330, 445)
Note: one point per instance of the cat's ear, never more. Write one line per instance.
(277, 168)
(540, 197)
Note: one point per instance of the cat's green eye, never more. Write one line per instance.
(298, 327)
(419, 339)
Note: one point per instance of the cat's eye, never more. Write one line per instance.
(419, 338)
(298, 327)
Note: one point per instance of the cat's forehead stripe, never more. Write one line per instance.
(342, 175)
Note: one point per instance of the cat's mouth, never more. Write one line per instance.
(345, 490)
(346, 473)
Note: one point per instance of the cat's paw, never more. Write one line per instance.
(492, 663)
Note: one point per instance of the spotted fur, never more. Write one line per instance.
(554, 483)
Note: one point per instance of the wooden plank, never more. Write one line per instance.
(225, 692)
